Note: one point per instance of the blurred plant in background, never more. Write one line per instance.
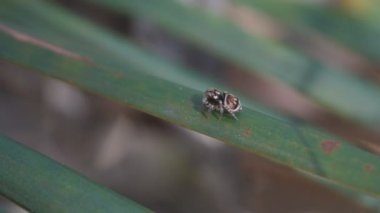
(128, 111)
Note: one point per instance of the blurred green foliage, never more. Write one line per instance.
(50, 40)
(40, 184)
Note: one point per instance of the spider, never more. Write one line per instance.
(216, 100)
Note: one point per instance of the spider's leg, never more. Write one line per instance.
(221, 109)
(209, 109)
(205, 108)
(232, 114)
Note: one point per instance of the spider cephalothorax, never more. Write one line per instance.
(216, 100)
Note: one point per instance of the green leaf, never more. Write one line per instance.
(295, 145)
(337, 90)
(358, 31)
(97, 43)
(40, 184)
(363, 198)
(70, 49)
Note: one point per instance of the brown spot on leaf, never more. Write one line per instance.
(368, 168)
(329, 146)
(247, 132)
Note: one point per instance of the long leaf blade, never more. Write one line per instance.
(334, 88)
(358, 31)
(297, 146)
(42, 185)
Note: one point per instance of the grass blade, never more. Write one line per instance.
(337, 90)
(358, 30)
(296, 145)
(40, 184)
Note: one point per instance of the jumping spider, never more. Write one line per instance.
(216, 100)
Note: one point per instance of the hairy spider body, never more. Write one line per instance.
(216, 100)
